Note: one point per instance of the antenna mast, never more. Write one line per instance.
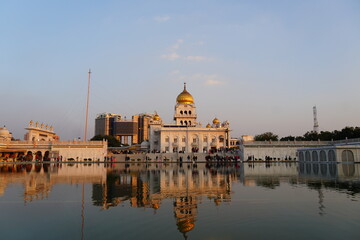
(316, 124)
(87, 105)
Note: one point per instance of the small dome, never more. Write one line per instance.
(4, 132)
(216, 121)
(145, 144)
(185, 96)
(156, 117)
(208, 125)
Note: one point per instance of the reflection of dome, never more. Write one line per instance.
(156, 117)
(208, 125)
(185, 97)
(186, 225)
(217, 201)
(156, 206)
(216, 121)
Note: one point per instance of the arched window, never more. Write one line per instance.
(316, 168)
(186, 123)
(307, 156)
(322, 156)
(181, 112)
(190, 112)
(181, 122)
(315, 157)
(190, 123)
(308, 168)
(323, 168)
(347, 156)
(185, 112)
(301, 156)
(332, 157)
(348, 169)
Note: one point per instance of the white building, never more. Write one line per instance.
(186, 134)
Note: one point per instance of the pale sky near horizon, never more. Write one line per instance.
(262, 65)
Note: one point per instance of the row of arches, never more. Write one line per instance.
(196, 139)
(325, 156)
(326, 170)
(38, 156)
(185, 123)
(185, 112)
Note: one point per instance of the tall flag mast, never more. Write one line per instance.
(316, 124)
(87, 105)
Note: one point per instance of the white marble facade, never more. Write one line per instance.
(186, 134)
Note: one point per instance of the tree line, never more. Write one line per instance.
(112, 141)
(346, 132)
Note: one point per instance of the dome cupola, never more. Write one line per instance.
(185, 96)
(156, 117)
(216, 121)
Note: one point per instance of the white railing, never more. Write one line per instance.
(354, 140)
(258, 143)
(51, 142)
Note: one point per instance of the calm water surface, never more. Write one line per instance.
(172, 201)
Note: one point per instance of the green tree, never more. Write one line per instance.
(326, 136)
(267, 136)
(112, 141)
(311, 136)
(288, 138)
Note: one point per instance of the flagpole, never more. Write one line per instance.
(87, 105)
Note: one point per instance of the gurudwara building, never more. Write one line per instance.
(186, 134)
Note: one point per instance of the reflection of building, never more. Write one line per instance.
(185, 210)
(146, 186)
(187, 135)
(38, 179)
(132, 131)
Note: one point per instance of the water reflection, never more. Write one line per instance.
(186, 185)
(147, 185)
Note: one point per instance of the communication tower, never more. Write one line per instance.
(316, 124)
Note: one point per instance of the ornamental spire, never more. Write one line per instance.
(184, 86)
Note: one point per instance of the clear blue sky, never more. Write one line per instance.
(262, 65)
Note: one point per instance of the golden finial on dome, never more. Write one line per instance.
(185, 96)
(156, 117)
(216, 121)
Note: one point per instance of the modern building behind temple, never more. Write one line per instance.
(186, 134)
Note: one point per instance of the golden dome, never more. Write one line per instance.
(185, 97)
(208, 125)
(216, 121)
(156, 117)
